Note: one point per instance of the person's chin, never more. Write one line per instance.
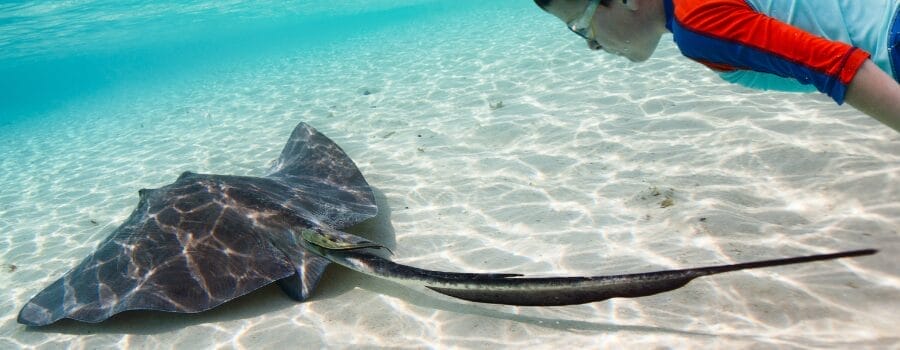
(637, 58)
(631, 56)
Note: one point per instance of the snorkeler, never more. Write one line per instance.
(847, 49)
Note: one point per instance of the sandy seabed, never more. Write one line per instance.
(523, 153)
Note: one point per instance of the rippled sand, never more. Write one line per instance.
(568, 177)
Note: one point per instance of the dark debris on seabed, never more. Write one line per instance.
(668, 196)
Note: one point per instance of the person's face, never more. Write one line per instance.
(618, 28)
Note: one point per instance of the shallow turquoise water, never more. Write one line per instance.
(53, 53)
(105, 98)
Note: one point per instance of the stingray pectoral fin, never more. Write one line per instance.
(554, 291)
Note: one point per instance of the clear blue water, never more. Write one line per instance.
(53, 53)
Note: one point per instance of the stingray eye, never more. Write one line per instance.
(310, 236)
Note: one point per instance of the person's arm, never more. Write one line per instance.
(730, 35)
(875, 93)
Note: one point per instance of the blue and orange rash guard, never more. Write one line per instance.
(781, 44)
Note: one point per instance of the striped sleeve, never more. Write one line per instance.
(729, 35)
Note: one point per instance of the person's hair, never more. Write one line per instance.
(544, 3)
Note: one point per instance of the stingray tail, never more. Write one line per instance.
(512, 289)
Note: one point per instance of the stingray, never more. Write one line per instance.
(206, 239)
